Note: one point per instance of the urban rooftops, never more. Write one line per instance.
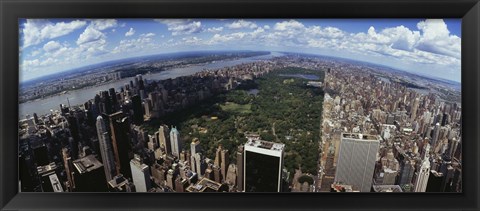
(265, 145)
(87, 164)
(360, 136)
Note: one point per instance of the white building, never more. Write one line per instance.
(356, 160)
(106, 150)
(140, 175)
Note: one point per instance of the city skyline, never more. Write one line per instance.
(426, 47)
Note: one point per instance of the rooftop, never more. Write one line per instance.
(205, 185)
(87, 164)
(265, 145)
(360, 136)
(387, 188)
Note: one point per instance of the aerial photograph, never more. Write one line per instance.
(240, 105)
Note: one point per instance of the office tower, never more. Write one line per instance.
(221, 161)
(106, 149)
(158, 174)
(413, 114)
(224, 164)
(140, 175)
(194, 148)
(435, 136)
(73, 126)
(407, 170)
(200, 165)
(356, 160)
(435, 181)
(120, 127)
(120, 184)
(240, 168)
(421, 180)
(170, 179)
(113, 96)
(162, 139)
(89, 175)
(263, 164)
(137, 110)
(68, 165)
(49, 179)
(40, 153)
(175, 142)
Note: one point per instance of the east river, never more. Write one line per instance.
(80, 96)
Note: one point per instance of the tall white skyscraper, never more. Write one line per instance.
(356, 160)
(106, 150)
(422, 176)
(140, 175)
(175, 142)
(263, 164)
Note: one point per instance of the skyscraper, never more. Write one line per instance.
(263, 164)
(137, 110)
(120, 127)
(356, 160)
(422, 176)
(106, 149)
(413, 114)
(175, 142)
(89, 175)
(240, 168)
(162, 139)
(435, 136)
(140, 175)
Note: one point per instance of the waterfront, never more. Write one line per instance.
(76, 97)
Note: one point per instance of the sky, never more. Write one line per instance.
(430, 47)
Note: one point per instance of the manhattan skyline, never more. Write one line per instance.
(426, 47)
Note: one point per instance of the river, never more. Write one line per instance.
(77, 97)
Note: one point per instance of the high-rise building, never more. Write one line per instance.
(162, 139)
(240, 168)
(435, 182)
(137, 110)
(421, 180)
(120, 127)
(175, 142)
(106, 150)
(413, 114)
(356, 160)
(89, 175)
(263, 164)
(140, 175)
(435, 136)
(221, 161)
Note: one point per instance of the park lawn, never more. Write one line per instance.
(237, 108)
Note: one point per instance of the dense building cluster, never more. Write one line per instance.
(102, 146)
(417, 135)
(377, 134)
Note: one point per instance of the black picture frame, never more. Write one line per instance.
(12, 10)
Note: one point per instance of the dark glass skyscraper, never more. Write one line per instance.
(263, 164)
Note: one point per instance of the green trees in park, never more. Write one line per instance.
(284, 110)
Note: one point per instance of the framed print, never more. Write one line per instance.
(239, 105)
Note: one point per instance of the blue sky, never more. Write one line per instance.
(429, 47)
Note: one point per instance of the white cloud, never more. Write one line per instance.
(130, 32)
(147, 35)
(436, 38)
(90, 35)
(36, 31)
(240, 24)
(51, 46)
(102, 24)
(181, 26)
(215, 29)
(288, 25)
